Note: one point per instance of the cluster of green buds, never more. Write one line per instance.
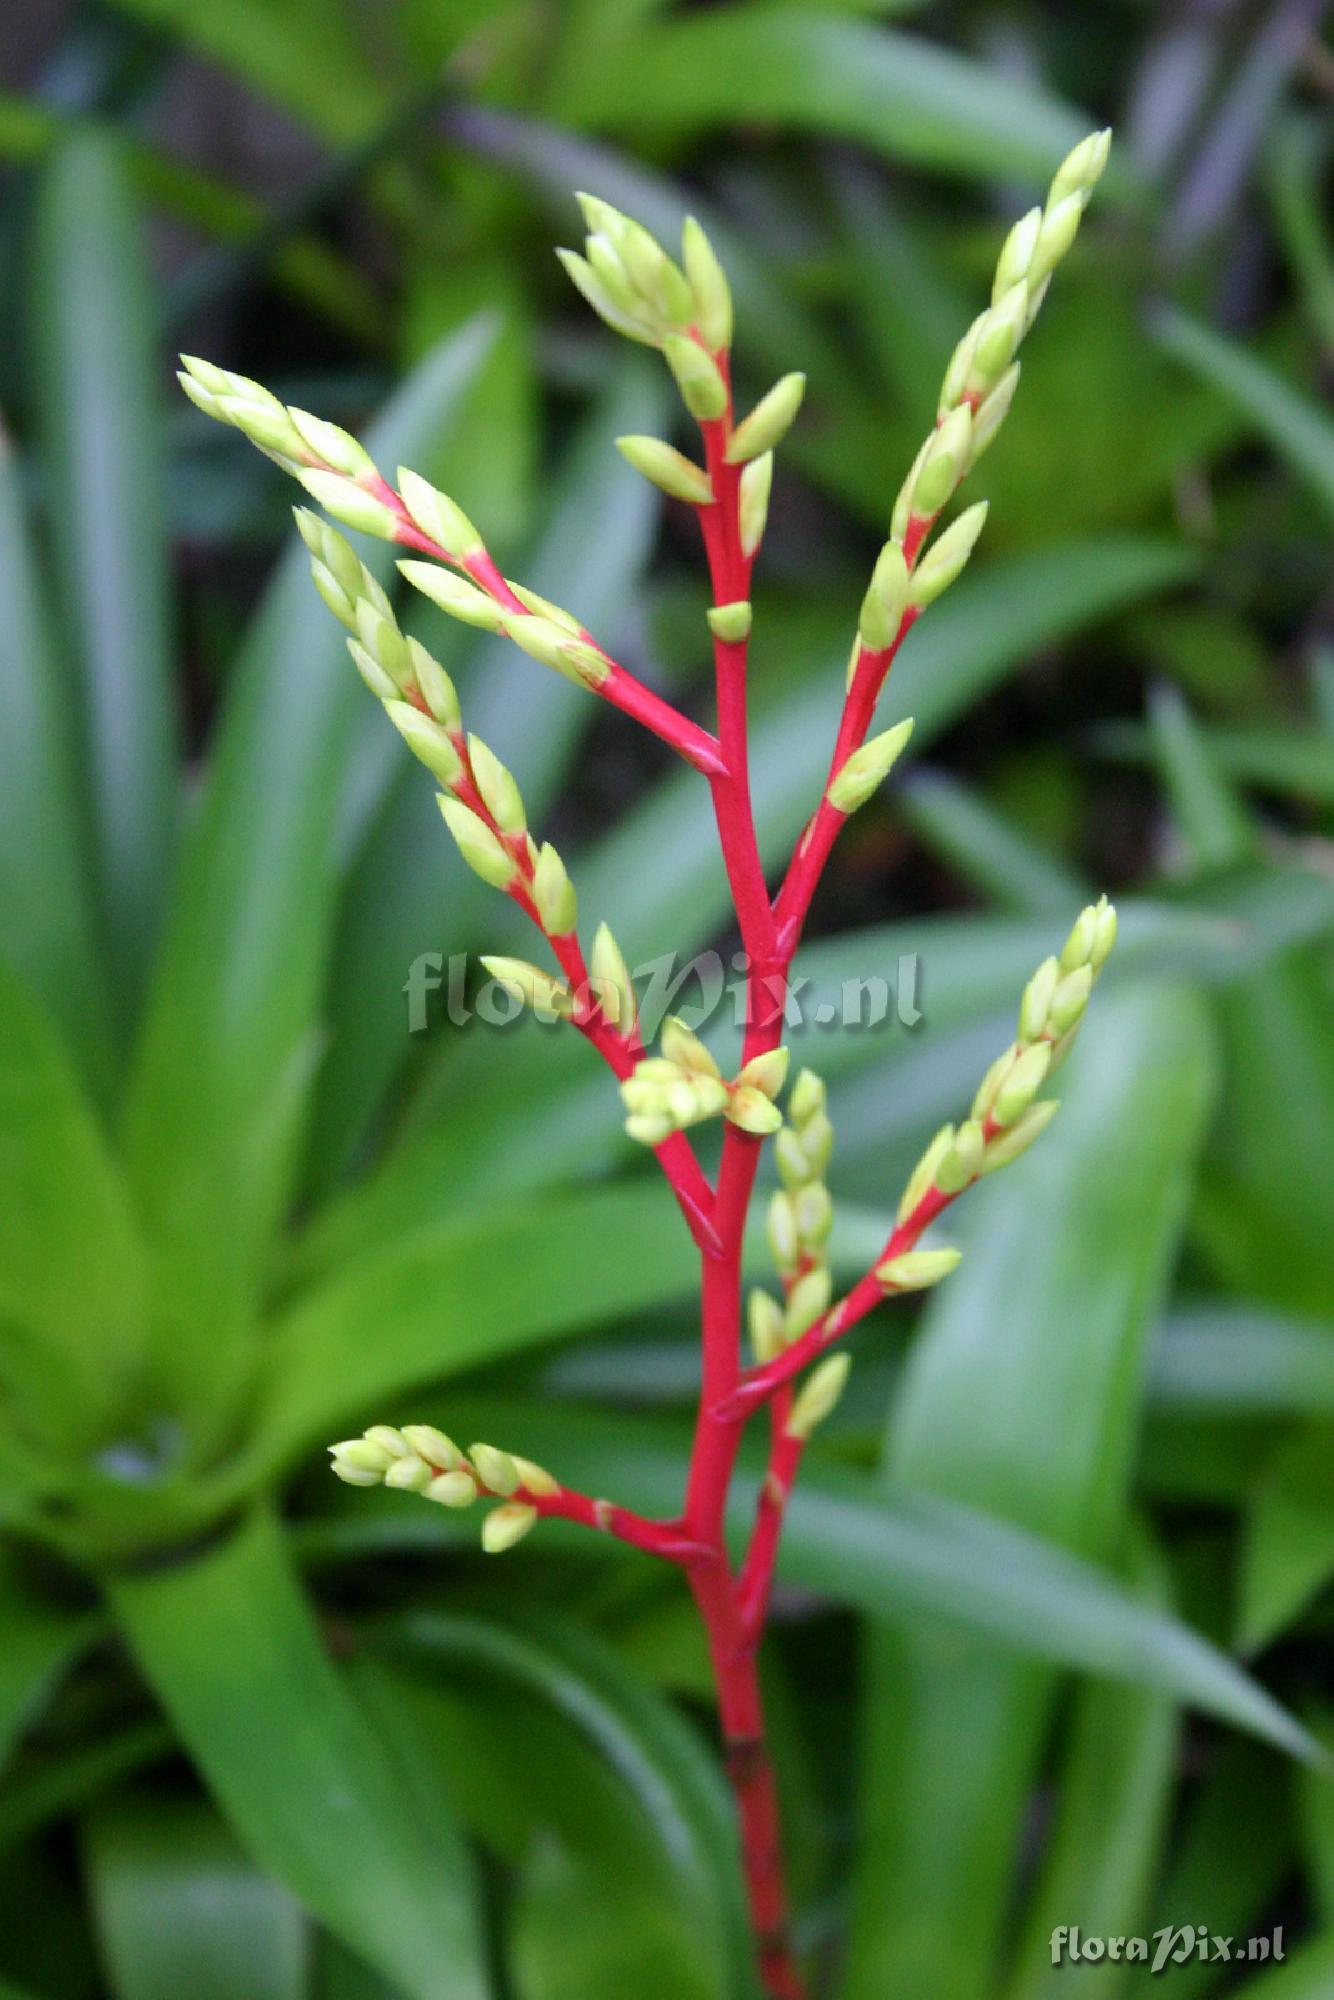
(682, 1085)
(1006, 1116)
(799, 1219)
(421, 702)
(421, 1459)
(983, 372)
(543, 630)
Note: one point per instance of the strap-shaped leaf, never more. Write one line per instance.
(1022, 1397)
(180, 1908)
(101, 441)
(72, 1277)
(230, 1644)
(45, 887)
(42, 1638)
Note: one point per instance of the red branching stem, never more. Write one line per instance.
(658, 1538)
(758, 1384)
(757, 1573)
(698, 746)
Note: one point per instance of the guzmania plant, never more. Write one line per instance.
(794, 1377)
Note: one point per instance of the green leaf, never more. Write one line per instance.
(1273, 758)
(1306, 1975)
(909, 99)
(230, 1039)
(1001, 1407)
(93, 329)
(1288, 1553)
(179, 1908)
(1114, 1793)
(42, 1639)
(525, 1274)
(1233, 1854)
(72, 1277)
(1224, 1360)
(230, 1645)
(653, 1753)
(983, 846)
(1216, 828)
(570, 1940)
(306, 55)
(1293, 424)
(45, 901)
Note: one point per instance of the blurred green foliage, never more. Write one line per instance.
(263, 1744)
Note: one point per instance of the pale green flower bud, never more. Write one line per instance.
(649, 1129)
(486, 855)
(867, 768)
(818, 1395)
(202, 398)
(500, 794)
(753, 501)
(960, 362)
(612, 985)
(553, 893)
(1081, 169)
(409, 1475)
(586, 280)
(806, 1302)
(751, 1111)
(349, 504)
(730, 622)
(363, 1455)
(886, 599)
(504, 1526)
(541, 639)
(659, 282)
(923, 1176)
(814, 1211)
(454, 594)
(433, 1446)
(769, 421)
(946, 558)
(437, 689)
(808, 1095)
(385, 643)
(543, 607)
(427, 740)
(1022, 1083)
(917, 1270)
(1078, 947)
(703, 390)
(271, 429)
(548, 997)
(1070, 999)
(794, 1169)
(962, 1161)
(1016, 257)
(389, 1439)
(613, 276)
(579, 661)
(992, 412)
(496, 1469)
(333, 447)
(1002, 330)
(780, 1228)
(374, 675)
(943, 465)
(1060, 226)
(709, 288)
(1105, 935)
(1036, 1002)
(992, 1081)
(682, 1046)
(817, 1141)
(350, 1473)
(903, 505)
(437, 515)
(764, 1316)
(766, 1073)
(456, 1488)
(213, 380)
(1007, 1146)
(535, 1478)
(668, 469)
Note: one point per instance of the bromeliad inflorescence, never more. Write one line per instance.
(684, 309)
